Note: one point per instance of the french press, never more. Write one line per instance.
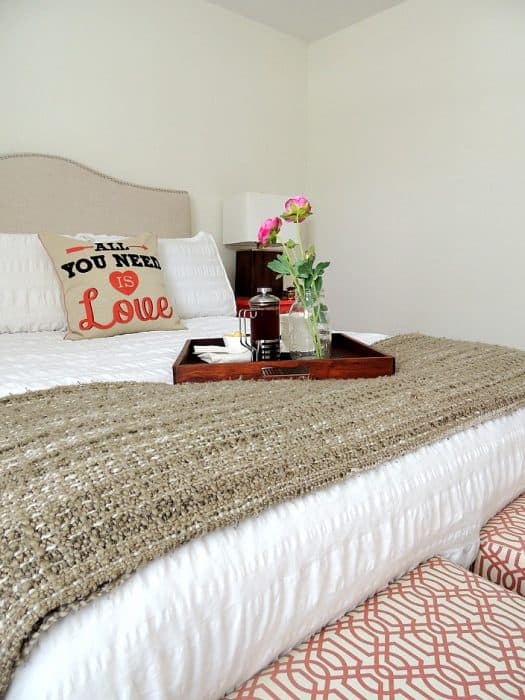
(263, 313)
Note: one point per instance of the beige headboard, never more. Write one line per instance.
(49, 193)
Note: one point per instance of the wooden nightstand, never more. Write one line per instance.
(284, 304)
(251, 272)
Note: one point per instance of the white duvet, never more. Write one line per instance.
(208, 615)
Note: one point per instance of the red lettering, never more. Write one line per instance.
(124, 311)
(164, 308)
(86, 324)
(147, 306)
(138, 310)
(125, 282)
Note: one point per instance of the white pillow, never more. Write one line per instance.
(196, 280)
(30, 296)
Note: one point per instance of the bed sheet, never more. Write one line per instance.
(205, 617)
(42, 360)
(31, 361)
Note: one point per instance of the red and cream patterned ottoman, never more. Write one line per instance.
(438, 632)
(501, 556)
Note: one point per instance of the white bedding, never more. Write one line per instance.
(208, 615)
(43, 360)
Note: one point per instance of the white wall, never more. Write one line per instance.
(417, 169)
(415, 137)
(178, 93)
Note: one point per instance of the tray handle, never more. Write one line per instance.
(285, 372)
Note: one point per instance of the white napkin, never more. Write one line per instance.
(218, 354)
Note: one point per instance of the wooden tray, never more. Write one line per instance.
(349, 359)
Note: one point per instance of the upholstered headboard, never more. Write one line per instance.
(49, 193)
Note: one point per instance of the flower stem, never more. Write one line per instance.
(310, 301)
(299, 239)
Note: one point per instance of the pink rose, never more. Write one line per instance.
(269, 231)
(297, 209)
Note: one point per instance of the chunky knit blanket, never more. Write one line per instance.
(96, 480)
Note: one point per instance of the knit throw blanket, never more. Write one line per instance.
(96, 480)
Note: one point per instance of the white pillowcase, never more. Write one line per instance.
(196, 280)
(31, 299)
(30, 296)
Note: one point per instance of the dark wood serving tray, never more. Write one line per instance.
(348, 359)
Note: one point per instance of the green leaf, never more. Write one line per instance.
(304, 268)
(321, 267)
(280, 266)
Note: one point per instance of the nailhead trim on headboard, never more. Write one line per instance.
(91, 170)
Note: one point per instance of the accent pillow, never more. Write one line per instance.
(195, 276)
(30, 297)
(111, 288)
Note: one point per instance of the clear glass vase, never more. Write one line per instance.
(308, 327)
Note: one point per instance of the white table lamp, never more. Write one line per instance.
(243, 214)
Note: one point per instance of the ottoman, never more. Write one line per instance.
(501, 556)
(438, 632)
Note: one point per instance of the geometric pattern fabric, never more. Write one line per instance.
(437, 632)
(501, 557)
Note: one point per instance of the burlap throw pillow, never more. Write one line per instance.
(111, 288)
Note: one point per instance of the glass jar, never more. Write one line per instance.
(308, 327)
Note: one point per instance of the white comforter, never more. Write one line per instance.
(208, 615)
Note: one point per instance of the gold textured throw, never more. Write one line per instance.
(96, 480)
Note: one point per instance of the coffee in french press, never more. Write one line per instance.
(264, 325)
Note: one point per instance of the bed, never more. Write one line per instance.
(203, 618)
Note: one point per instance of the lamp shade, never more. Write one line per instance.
(243, 213)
